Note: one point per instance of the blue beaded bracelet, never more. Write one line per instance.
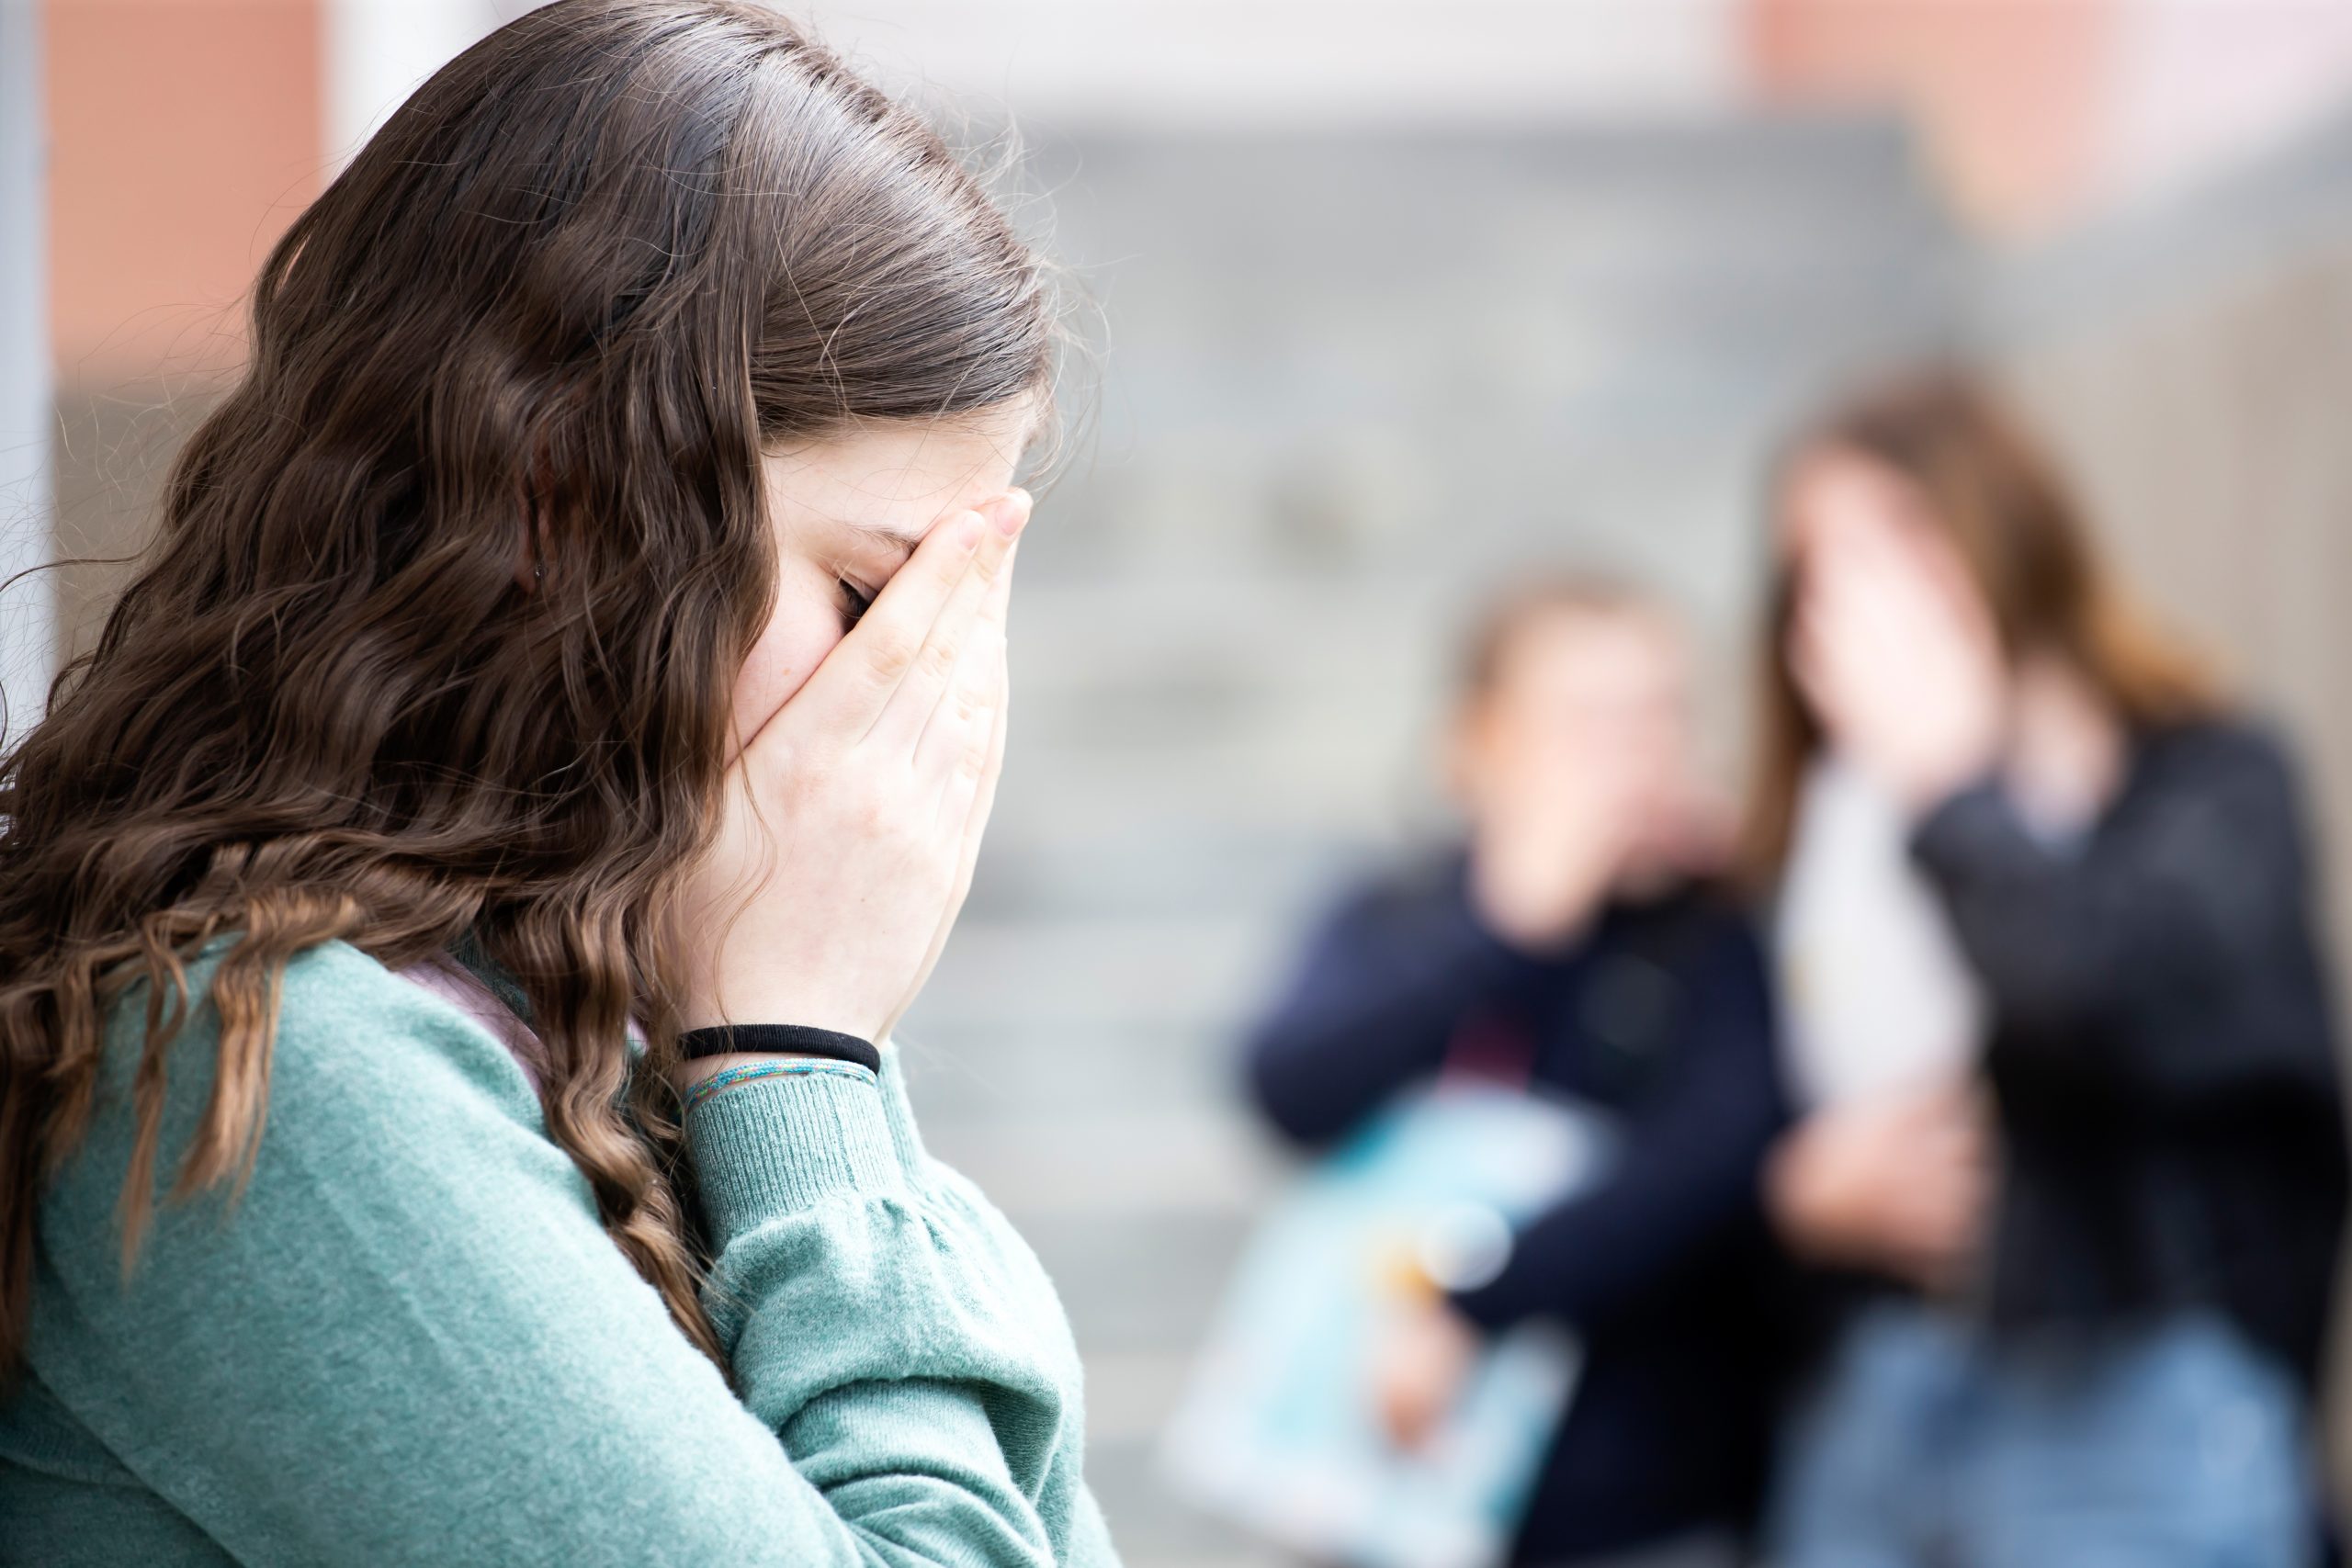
(745, 1072)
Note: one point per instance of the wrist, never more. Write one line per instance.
(740, 1007)
(1532, 920)
(1953, 762)
(1928, 788)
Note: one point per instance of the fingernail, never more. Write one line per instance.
(967, 529)
(1010, 514)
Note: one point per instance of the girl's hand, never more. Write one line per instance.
(1552, 823)
(1540, 867)
(854, 815)
(1894, 651)
(1422, 1357)
(1899, 1184)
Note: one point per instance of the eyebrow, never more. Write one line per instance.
(886, 533)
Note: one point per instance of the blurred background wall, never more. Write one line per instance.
(27, 612)
(1391, 299)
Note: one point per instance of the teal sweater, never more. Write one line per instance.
(412, 1342)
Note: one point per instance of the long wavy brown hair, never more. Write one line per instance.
(546, 322)
(1989, 484)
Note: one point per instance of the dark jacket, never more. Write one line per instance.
(1662, 1015)
(2163, 1051)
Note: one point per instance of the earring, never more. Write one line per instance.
(540, 572)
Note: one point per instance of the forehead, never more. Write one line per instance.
(895, 477)
(1584, 649)
(1839, 490)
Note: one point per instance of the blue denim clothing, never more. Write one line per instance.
(1925, 1445)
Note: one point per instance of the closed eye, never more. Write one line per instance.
(855, 602)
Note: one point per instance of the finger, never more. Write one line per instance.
(954, 733)
(938, 664)
(1402, 1408)
(1840, 661)
(1865, 605)
(983, 796)
(1913, 599)
(1931, 575)
(975, 821)
(973, 802)
(850, 688)
(1812, 666)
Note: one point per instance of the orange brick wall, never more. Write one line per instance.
(185, 136)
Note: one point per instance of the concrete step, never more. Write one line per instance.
(1196, 1161)
(1080, 973)
(1152, 1529)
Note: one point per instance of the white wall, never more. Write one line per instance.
(378, 51)
(2200, 85)
(1242, 64)
(1248, 64)
(27, 616)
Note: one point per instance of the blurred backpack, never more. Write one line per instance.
(1277, 1431)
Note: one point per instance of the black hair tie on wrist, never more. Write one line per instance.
(779, 1039)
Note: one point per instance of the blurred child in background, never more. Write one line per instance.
(2056, 1005)
(1573, 946)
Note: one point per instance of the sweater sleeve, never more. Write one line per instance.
(1372, 1006)
(412, 1341)
(2174, 956)
(1686, 1174)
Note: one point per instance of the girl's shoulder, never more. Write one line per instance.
(2246, 758)
(352, 1039)
(367, 1080)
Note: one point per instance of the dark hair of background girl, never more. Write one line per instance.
(1993, 488)
(549, 314)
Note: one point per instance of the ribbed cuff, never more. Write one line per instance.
(898, 1111)
(775, 1146)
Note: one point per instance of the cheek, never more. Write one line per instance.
(803, 629)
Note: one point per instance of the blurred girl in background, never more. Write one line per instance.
(2055, 1002)
(1575, 946)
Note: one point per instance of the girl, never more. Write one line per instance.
(2070, 870)
(452, 926)
(1573, 946)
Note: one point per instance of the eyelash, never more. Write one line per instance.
(855, 602)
